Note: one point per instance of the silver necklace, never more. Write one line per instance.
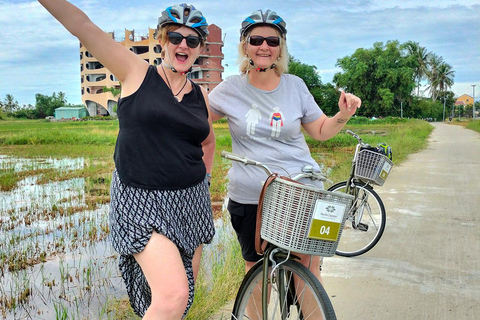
(170, 87)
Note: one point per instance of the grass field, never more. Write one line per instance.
(55, 255)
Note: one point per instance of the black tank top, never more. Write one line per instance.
(159, 141)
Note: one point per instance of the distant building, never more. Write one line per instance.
(207, 69)
(464, 100)
(70, 112)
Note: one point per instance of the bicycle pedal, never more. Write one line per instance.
(362, 227)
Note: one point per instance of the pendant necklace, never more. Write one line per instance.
(170, 87)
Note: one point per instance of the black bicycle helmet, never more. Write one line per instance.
(187, 15)
(259, 18)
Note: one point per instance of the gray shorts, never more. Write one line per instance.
(184, 216)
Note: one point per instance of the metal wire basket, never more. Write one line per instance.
(372, 167)
(287, 213)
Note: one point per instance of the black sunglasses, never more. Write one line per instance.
(258, 40)
(177, 38)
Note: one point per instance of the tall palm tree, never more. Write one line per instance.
(434, 62)
(421, 56)
(445, 77)
(10, 103)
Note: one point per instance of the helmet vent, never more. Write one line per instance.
(186, 13)
(195, 20)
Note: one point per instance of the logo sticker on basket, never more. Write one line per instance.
(385, 170)
(326, 220)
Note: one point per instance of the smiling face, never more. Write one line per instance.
(180, 56)
(263, 55)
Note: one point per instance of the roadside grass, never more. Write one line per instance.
(467, 123)
(220, 275)
(474, 125)
(336, 154)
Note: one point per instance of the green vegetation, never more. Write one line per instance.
(94, 141)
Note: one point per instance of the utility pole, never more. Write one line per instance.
(473, 106)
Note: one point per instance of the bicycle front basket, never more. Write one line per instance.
(372, 167)
(289, 211)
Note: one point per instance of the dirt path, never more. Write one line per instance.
(427, 265)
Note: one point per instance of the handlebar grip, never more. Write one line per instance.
(239, 158)
(350, 132)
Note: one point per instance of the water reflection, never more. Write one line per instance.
(56, 257)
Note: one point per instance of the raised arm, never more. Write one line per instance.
(124, 64)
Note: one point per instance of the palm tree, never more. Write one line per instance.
(445, 77)
(421, 57)
(434, 62)
(10, 104)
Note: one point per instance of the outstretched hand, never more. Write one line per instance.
(348, 103)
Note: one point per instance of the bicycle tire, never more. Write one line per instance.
(253, 282)
(354, 241)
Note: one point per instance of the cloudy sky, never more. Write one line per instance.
(37, 55)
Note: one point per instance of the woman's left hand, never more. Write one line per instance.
(348, 103)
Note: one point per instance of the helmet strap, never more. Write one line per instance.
(172, 68)
(258, 69)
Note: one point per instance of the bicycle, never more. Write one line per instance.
(367, 216)
(292, 217)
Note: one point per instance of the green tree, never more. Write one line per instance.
(9, 104)
(381, 76)
(434, 63)
(307, 72)
(326, 97)
(420, 56)
(46, 105)
(115, 91)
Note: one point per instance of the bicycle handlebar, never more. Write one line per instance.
(356, 136)
(307, 170)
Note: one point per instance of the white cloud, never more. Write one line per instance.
(36, 49)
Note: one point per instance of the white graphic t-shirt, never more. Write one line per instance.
(265, 126)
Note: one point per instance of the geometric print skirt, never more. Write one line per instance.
(184, 216)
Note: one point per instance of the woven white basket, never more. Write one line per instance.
(372, 167)
(287, 212)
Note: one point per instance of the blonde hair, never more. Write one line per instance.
(162, 36)
(281, 65)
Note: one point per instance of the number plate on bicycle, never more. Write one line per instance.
(326, 220)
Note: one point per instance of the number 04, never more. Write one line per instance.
(324, 230)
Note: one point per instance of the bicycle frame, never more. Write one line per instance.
(367, 213)
(284, 269)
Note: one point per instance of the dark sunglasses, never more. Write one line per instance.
(258, 40)
(177, 38)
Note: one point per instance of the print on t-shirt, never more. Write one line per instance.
(253, 115)
(276, 122)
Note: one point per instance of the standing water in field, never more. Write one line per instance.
(56, 260)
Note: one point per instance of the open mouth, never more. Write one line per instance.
(182, 57)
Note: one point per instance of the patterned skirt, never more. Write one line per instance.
(184, 216)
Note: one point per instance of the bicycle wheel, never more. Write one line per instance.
(294, 293)
(365, 222)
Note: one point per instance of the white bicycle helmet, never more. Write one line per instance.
(259, 18)
(185, 15)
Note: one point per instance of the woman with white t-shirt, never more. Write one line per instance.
(282, 106)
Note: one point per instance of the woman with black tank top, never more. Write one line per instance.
(160, 210)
